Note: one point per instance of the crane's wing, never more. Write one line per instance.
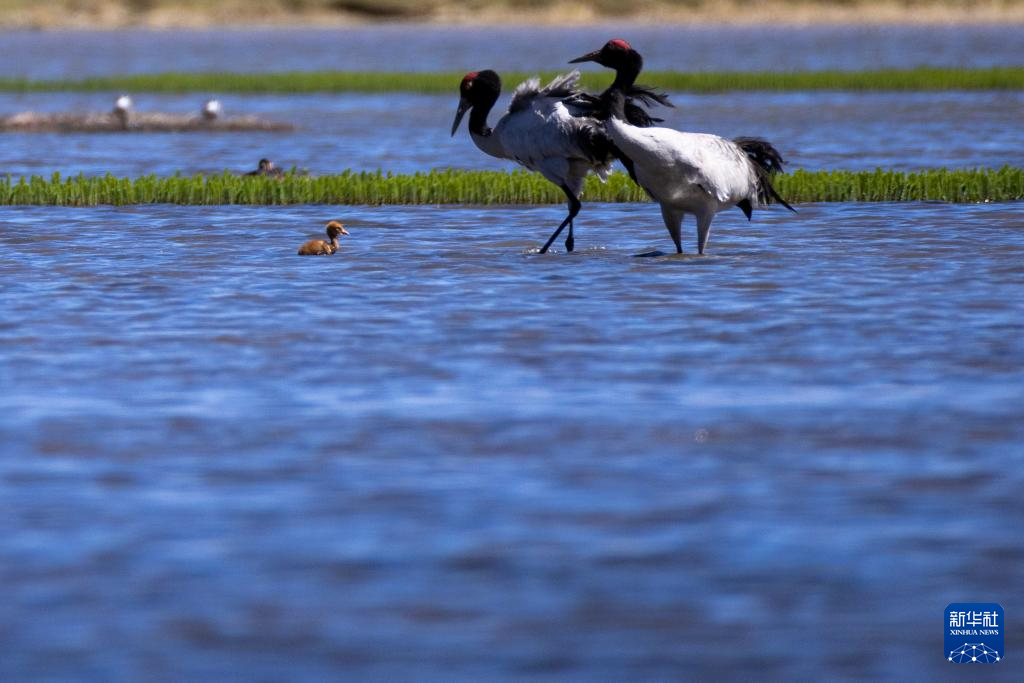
(545, 130)
(669, 157)
(560, 87)
(729, 170)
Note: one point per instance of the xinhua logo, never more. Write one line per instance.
(974, 633)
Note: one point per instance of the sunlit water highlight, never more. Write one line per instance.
(438, 455)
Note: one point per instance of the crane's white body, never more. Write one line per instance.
(687, 173)
(540, 133)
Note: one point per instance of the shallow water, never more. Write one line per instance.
(440, 456)
(408, 133)
(413, 47)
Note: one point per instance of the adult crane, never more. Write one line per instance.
(542, 130)
(685, 173)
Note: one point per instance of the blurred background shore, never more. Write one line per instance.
(107, 14)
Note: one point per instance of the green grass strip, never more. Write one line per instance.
(919, 79)
(488, 187)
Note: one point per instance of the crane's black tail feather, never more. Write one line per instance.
(767, 162)
(638, 116)
(648, 97)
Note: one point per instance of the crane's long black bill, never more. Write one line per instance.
(589, 57)
(464, 106)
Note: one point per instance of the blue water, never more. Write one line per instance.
(415, 47)
(440, 456)
(408, 133)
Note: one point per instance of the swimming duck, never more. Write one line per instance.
(323, 247)
(266, 168)
(122, 107)
(212, 110)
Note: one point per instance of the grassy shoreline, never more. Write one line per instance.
(489, 187)
(918, 79)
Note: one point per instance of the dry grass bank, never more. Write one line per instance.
(104, 14)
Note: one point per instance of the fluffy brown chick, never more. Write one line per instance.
(325, 247)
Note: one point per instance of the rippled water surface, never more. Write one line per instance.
(408, 133)
(64, 54)
(438, 455)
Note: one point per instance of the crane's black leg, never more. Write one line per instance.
(574, 208)
(551, 239)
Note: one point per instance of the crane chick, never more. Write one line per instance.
(324, 247)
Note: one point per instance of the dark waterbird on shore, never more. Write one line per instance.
(325, 247)
(684, 172)
(266, 168)
(539, 132)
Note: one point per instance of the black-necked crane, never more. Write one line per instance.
(627, 62)
(539, 132)
(694, 173)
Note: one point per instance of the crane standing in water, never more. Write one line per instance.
(539, 132)
(685, 173)
(552, 130)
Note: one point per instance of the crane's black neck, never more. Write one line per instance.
(616, 98)
(482, 92)
(478, 119)
(627, 69)
(478, 115)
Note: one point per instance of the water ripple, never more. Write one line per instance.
(438, 444)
